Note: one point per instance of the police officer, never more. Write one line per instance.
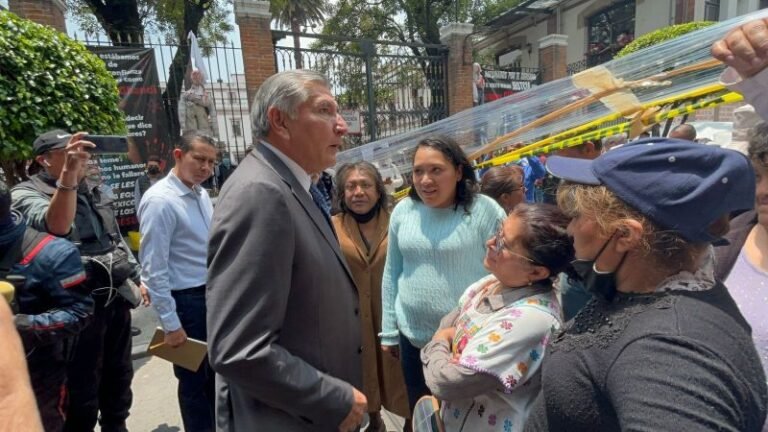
(58, 200)
(50, 304)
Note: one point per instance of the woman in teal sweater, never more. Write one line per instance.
(436, 247)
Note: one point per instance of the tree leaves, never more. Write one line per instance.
(661, 35)
(47, 81)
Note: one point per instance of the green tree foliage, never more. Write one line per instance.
(294, 14)
(484, 11)
(410, 21)
(661, 35)
(49, 81)
(162, 17)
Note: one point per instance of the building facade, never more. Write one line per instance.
(591, 32)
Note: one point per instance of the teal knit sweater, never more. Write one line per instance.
(434, 254)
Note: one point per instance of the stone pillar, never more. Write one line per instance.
(253, 19)
(552, 57)
(456, 37)
(46, 12)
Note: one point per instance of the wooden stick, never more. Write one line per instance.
(706, 64)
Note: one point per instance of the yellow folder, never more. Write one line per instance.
(189, 355)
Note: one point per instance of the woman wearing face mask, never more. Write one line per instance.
(436, 246)
(662, 346)
(484, 362)
(362, 229)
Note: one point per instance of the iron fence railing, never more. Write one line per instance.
(393, 87)
(226, 86)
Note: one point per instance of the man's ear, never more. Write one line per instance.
(42, 161)
(629, 234)
(277, 123)
(177, 154)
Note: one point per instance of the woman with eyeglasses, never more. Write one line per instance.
(436, 246)
(361, 227)
(484, 361)
(505, 185)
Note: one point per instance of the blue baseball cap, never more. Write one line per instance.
(679, 185)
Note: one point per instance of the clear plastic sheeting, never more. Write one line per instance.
(661, 72)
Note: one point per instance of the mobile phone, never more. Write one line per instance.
(108, 143)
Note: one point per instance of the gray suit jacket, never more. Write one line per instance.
(283, 325)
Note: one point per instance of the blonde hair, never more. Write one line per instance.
(664, 248)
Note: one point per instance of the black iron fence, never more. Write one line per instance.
(226, 87)
(383, 88)
(576, 67)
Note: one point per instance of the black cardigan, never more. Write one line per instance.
(674, 361)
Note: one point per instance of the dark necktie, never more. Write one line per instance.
(321, 203)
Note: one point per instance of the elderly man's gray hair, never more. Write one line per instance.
(284, 91)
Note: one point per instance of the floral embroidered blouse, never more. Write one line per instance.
(500, 340)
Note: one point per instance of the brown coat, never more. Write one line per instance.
(382, 375)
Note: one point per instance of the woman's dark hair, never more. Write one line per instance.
(500, 180)
(758, 144)
(465, 188)
(366, 168)
(189, 137)
(545, 237)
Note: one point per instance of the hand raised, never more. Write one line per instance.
(744, 48)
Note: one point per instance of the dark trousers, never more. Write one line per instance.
(49, 384)
(413, 372)
(100, 374)
(196, 389)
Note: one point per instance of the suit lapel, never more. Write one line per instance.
(303, 197)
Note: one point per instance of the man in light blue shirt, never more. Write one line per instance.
(175, 217)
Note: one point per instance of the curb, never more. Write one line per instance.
(139, 351)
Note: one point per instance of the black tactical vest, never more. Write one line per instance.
(93, 231)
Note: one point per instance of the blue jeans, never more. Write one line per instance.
(196, 389)
(410, 360)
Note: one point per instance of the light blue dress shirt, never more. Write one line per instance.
(175, 222)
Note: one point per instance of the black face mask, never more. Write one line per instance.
(365, 218)
(153, 170)
(600, 284)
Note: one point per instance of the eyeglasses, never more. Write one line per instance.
(351, 187)
(499, 244)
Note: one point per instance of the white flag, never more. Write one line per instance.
(196, 57)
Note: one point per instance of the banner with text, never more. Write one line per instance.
(140, 100)
(501, 83)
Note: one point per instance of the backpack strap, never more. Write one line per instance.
(12, 255)
(34, 242)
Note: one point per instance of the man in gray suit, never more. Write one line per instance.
(283, 325)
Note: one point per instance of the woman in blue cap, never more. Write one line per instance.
(662, 345)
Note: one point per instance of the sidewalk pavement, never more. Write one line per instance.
(155, 404)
